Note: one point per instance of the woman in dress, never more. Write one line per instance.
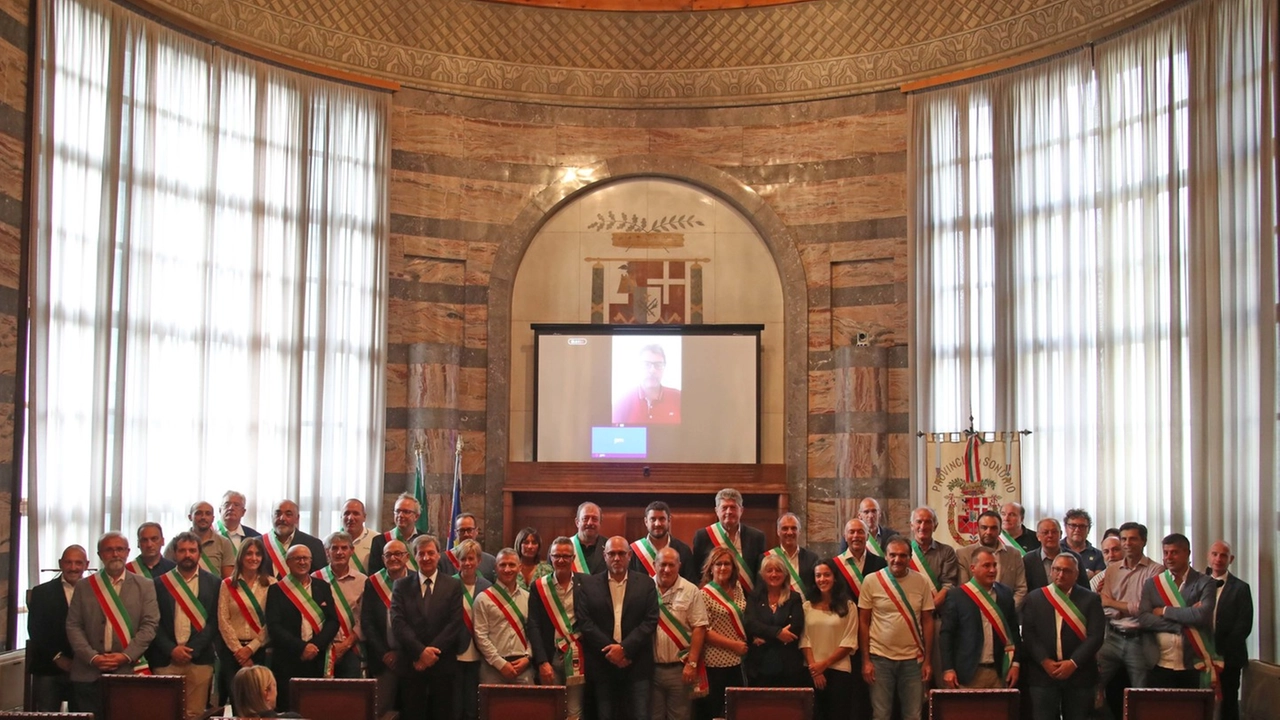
(775, 621)
(466, 700)
(242, 603)
(529, 549)
(830, 637)
(726, 642)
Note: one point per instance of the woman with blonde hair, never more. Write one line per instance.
(726, 642)
(253, 694)
(775, 622)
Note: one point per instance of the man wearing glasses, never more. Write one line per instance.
(651, 402)
(406, 514)
(1078, 524)
(557, 647)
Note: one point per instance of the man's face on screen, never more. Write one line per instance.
(652, 365)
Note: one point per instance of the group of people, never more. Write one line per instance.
(653, 628)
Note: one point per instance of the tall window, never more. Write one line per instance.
(210, 283)
(1095, 254)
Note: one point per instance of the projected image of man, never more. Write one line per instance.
(651, 402)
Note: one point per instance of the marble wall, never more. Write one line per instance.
(473, 180)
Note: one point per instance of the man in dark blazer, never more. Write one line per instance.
(299, 642)
(1061, 668)
(48, 651)
(180, 648)
(1162, 620)
(1233, 621)
(405, 514)
(798, 559)
(657, 523)
(285, 533)
(1035, 563)
(856, 558)
(563, 584)
(973, 654)
(748, 541)
(375, 623)
(426, 622)
(618, 655)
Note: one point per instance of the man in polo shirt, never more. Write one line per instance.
(150, 563)
(229, 525)
(499, 614)
(895, 634)
(217, 554)
(188, 627)
(677, 646)
(347, 585)
(1077, 524)
(1121, 593)
(353, 519)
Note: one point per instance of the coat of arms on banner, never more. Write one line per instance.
(969, 475)
(643, 289)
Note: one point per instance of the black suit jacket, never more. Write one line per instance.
(1033, 565)
(772, 657)
(380, 542)
(871, 563)
(542, 634)
(319, 559)
(593, 608)
(284, 624)
(417, 624)
(1040, 638)
(1234, 621)
(689, 570)
(160, 653)
(374, 624)
(961, 637)
(47, 627)
(753, 547)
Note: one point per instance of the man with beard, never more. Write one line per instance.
(188, 600)
(302, 621)
(284, 535)
(466, 528)
(644, 552)
(50, 652)
(110, 623)
(217, 554)
(588, 553)
(375, 618)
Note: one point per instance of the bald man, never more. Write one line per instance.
(217, 554)
(49, 652)
(285, 534)
(1232, 624)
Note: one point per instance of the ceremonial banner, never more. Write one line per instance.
(968, 474)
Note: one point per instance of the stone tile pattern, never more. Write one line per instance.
(784, 53)
(463, 170)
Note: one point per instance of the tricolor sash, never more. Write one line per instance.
(452, 558)
(382, 586)
(852, 575)
(355, 559)
(137, 567)
(647, 554)
(510, 610)
(310, 611)
(117, 616)
(221, 527)
(720, 538)
(276, 551)
(680, 635)
(395, 534)
(873, 545)
(991, 611)
(1007, 539)
(468, 603)
(796, 583)
(1210, 664)
(346, 616)
(245, 600)
(208, 565)
(716, 594)
(566, 639)
(1067, 610)
(579, 557)
(919, 565)
(899, 599)
(185, 599)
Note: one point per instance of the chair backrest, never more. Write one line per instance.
(973, 704)
(525, 702)
(164, 696)
(334, 699)
(742, 703)
(16, 715)
(1166, 703)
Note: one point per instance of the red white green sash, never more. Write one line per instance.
(647, 554)
(1067, 610)
(453, 559)
(720, 538)
(117, 616)
(919, 564)
(716, 594)
(221, 527)
(276, 551)
(852, 575)
(566, 639)
(208, 564)
(382, 586)
(346, 616)
(796, 583)
(355, 559)
(310, 611)
(579, 556)
(873, 545)
(510, 610)
(395, 534)
(1210, 664)
(680, 635)
(899, 599)
(468, 603)
(185, 599)
(244, 597)
(1007, 539)
(991, 611)
(137, 567)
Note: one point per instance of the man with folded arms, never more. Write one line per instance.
(1121, 593)
(677, 646)
(347, 585)
(1062, 630)
(302, 622)
(980, 631)
(499, 614)
(375, 620)
(150, 563)
(895, 634)
(188, 600)
(1177, 611)
(557, 647)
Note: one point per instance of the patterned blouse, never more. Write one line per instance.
(720, 622)
(542, 568)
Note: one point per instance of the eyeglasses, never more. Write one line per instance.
(616, 553)
(654, 364)
(722, 563)
(405, 512)
(395, 554)
(561, 557)
(1078, 526)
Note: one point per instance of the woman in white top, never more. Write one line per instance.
(830, 636)
(466, 699)
(241, 603)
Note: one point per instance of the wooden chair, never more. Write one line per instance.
(742, 703)
(164, 696)
(973, 704)
(334, 699)
(1166, 703)
(19, 715)
(526, 702)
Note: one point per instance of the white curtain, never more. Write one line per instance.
(210, 284)
(1094, 242)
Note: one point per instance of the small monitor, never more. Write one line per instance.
(630, 443)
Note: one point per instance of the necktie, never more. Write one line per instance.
(426, 589)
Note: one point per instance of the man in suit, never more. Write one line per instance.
(228, 524)
(1062, 630)
(302, 622)
(188, 600)
(150, 562)
(878, 534)
(426, 622)
(48, 651)
(588, 546)
(644, 552)
(617, 614)
(799, 561)
(1170, 652)
(980, 631)
(746, 542)
(375, 619)
(100, 646)
(557, 654)
(1011, 574)
(856, 562)
(405, 513)
(1232, 623)
(284, 535)
(1036, 563)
